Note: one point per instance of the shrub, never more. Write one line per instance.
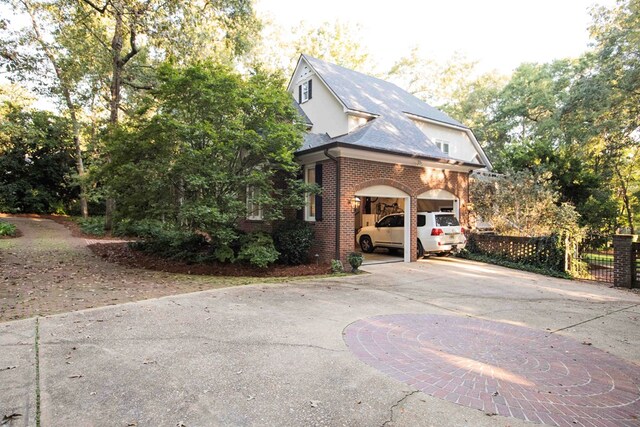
(7, 229)
(336, 266)
(355, 260)
(93, 225)
(178, 245)
(258, 249)
(293, 241)
(146, 228)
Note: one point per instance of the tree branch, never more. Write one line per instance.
(101, 10)
(137, 85)
(134, 48)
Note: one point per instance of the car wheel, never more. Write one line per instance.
(420, 250)
(366, 245)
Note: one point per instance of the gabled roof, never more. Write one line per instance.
(390, 129)
(371, 95)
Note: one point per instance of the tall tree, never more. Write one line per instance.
(209, 136)
(125, 22)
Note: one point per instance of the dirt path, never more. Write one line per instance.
(48, 271)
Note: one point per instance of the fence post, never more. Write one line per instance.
(622, 260)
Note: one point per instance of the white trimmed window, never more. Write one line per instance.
(305, 91)
(310, 207)
(254, 209)
(443, 146)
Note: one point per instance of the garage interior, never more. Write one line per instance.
(369, 209)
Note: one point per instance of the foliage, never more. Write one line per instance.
(93, 225)
(511, 264)
(176, 244)
(574, 121)
(258, 249)
(336, 266)
(7, 229)
(522, 204)
(293, 241)
(36, 162)
(355, 260)
(436, 82)
(279, 49)
(210, 135)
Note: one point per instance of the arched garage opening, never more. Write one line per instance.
(438, 200)
(380, 216)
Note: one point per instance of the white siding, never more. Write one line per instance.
(460, 146)
(323, 109)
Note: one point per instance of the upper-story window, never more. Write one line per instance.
(443, 146)
(305, 91)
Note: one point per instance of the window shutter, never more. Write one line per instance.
(300, 176)
(319, 184)
(300, 94)
(310, 86)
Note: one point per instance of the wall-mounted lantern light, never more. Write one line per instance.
(355, 204)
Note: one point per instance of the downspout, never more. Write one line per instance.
(337, 162)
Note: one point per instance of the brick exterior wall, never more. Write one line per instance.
(623, 261)
(325, 230)
(357, 174)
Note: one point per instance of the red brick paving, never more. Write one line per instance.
(501, 368)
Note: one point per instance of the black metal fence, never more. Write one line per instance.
(636, 263)
(593, 258)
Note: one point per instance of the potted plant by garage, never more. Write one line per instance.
(355, 260)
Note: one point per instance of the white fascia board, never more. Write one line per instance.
(318, 156)
(479, 149)
(314, 157)
(362, 114)
(465, 129)
(295, 70)
(435, 122)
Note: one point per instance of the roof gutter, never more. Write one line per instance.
(337, 163)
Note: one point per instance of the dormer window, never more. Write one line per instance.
(443, 146)
(304, 91)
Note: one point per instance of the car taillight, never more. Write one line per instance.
(436, 231)
(462, 230)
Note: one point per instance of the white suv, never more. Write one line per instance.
(438, 232)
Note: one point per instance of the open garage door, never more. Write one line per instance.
(380, 224)
(439, 201)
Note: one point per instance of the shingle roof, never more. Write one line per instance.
(301, 112)
(391, 130)
(372, 95)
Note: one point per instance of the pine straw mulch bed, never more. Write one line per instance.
(121, 253)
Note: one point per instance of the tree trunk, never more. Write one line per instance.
(114, 102)
(66, 92)
(626, 200)
(84, 208)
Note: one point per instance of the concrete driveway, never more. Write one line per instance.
(302, 353)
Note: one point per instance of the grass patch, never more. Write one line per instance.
(590, 257)
(7, 229)
(514, 265)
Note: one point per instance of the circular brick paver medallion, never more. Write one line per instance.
(501, 368)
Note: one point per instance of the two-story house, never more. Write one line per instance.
(376, 149)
